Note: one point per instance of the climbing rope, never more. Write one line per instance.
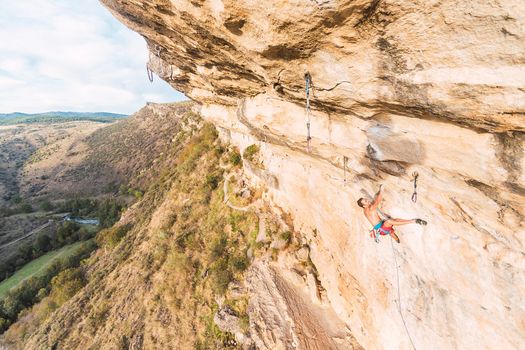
(399, 295)
(414, 195)
(308, 82)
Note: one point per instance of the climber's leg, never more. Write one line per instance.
(398, 222)
(394, 236)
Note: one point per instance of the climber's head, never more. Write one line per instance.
(363, 202)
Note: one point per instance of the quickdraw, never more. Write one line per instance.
(150, 73)
(148, 69)
(399, 296)
(308, 82)
(414, 195)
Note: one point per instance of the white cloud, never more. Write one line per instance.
(72, 55)
(9, 82)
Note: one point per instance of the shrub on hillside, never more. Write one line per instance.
(212, 181)
(250, 152)
(4, 324)
(286, 236)
(218, 247)
(46, 206)
(239, 262)
(79, 206)
(23, 208)
(235, 158)
(221, 277)
(66, 284)
(110, 237)
(43, 244)
(108, 212)
(66, 233)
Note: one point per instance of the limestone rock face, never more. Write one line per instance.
(398, 86)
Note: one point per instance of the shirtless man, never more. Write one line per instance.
(383, 227)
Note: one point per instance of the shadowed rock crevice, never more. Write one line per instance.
(511, 152)
(235, 25)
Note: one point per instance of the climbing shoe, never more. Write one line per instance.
(421, 222)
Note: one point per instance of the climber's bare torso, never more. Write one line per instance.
(372, 216)
(370, 207)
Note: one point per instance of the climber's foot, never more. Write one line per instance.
(421, 222)
(395, 237)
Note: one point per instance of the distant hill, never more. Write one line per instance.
(88, 159)
(58, 117)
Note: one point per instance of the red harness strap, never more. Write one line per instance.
(384, 231)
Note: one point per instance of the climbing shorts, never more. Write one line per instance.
(381, 229)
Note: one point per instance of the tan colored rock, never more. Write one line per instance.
(282, 315)
(303, 254)
(228, 321)
(399, 86)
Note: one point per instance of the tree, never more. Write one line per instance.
(43, 243)
(46, 206)
(26, 208)
(11, 306)
(4, 324)
(66, 232)
(16, 199)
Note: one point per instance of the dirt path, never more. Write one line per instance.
(253, 206)
(30, 233)
(226, 197)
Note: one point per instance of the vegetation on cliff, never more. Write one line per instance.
(164, 265)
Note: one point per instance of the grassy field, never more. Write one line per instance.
(34, 267)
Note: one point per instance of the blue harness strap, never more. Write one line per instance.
(378, 226)
(378, 230)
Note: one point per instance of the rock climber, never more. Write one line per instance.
(383, 227)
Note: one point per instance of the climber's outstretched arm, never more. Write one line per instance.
(377, 199)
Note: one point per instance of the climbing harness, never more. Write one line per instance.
(399, 296)
(375, 234)
(345, 160)
(377, 230)
(150, 73)
(308, 82)
(414, 195)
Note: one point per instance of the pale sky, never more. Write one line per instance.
(72, 55)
